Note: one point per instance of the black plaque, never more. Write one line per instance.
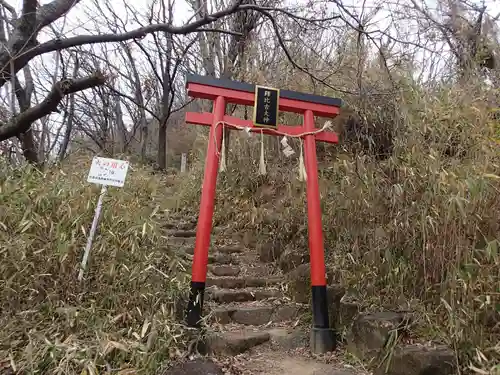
(265, 110)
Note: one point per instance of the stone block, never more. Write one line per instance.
(419, 360)
(371, 331)
(195, 367)
(290, 260)
(234, 343)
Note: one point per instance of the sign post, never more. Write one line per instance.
(183, 162)
(93, 229)
(105, 172)
(266, 102)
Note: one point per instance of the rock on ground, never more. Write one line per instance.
(419, 360)
(334, 295)
(299, 284)
(348, 311)
(233, 343)
(195, 367)
(291, 259)
(299, 287)
(269, 251)
(370, 332)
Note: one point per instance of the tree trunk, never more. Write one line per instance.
(71, 115)
(139, 99)
(162, 143)
(26, 139)
(165, 114)
(28, 145)
(167, 97)
(120, 126)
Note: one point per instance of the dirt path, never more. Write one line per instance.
(277, 363)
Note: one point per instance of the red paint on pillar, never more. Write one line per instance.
(315, 227)
(204, 228)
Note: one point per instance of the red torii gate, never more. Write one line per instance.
(222, 92)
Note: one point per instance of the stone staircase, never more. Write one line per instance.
(246, 308)
(245, 304)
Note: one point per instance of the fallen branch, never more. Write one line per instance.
(22, 122)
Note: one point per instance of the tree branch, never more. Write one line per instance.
(48, 13)
(9, 7)
(22, 122)
(62, 6)
(133, 100)
(22, 49)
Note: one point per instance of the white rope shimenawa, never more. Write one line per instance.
(262, 164)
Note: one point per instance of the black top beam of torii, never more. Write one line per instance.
(248, 87)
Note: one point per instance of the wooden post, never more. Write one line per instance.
(204, 227)
(183, 162)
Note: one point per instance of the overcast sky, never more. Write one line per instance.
(86, 19)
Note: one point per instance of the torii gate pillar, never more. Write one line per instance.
(222, 92)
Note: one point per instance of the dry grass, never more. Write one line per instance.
(422, 227)
(120, 319)
(417, 230)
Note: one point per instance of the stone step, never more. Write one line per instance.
(260, 270)
(254, 315)
(242, 295)
(220, 250)
(181, 241)
(225, 270)
(181, 233)
(182, 217)
(219, 259)
(179, 225)
(189, 226)
(235, 342)
(241, 282)
(169, 225)
(231, 249)
(293, 338)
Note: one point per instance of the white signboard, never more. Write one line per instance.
(105, 172)
(110, 172)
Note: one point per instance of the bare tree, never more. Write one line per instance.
(69, 114)
(140, 82)
(464, 27)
